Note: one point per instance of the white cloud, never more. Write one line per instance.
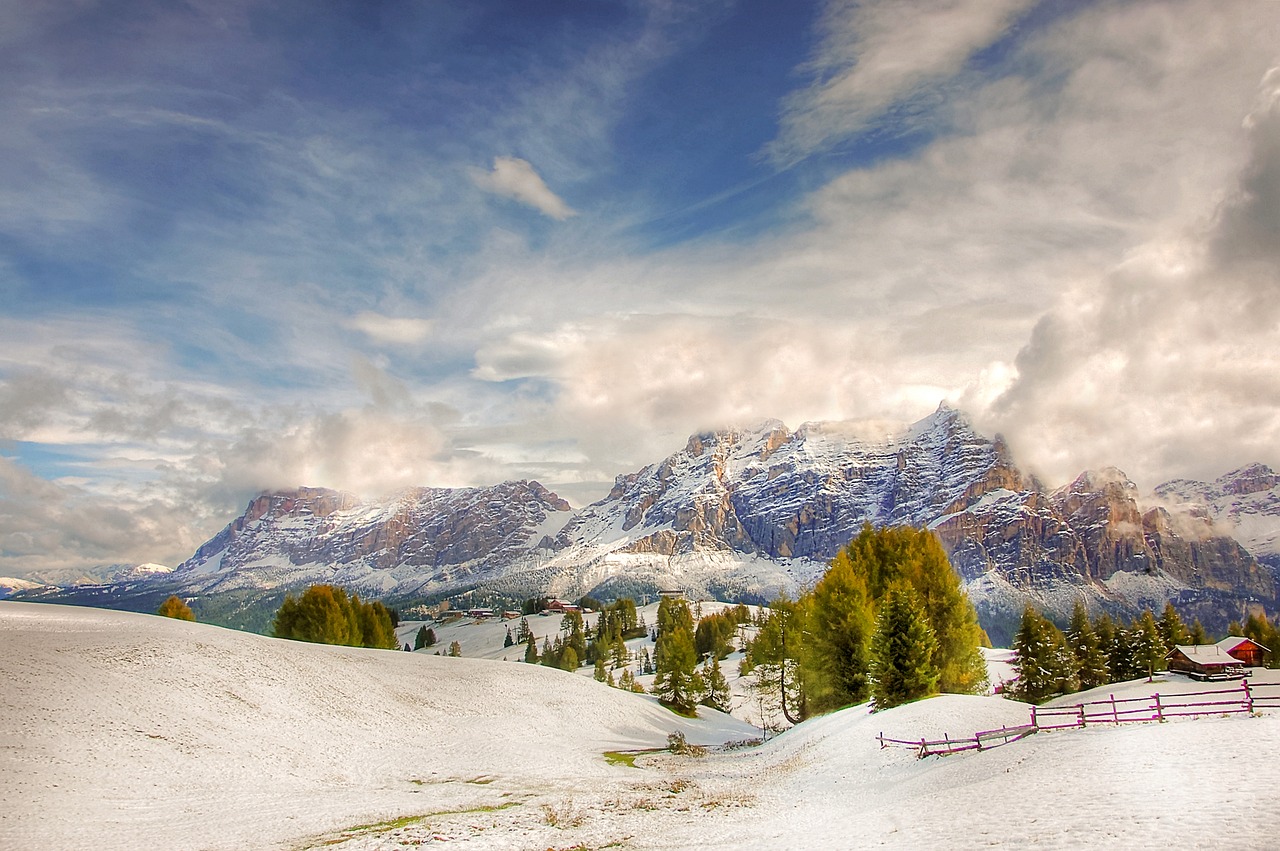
(512, 177)
(395, 330)
(1169, 362)
(877, 56)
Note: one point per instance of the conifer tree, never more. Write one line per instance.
(600, 673)
(1172, 630)
(174, 607)
(675, 683)
(1198, 634)
(509, 640)
(1121, 657)
(1091, 662)
(420, 638)
(717, 687)
(531, 649)
(902, 651)
(1147, 645)
(1045, 665)
(523, 632)
(455, 649)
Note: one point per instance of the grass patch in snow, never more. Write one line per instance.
(627, 758)
(406, 821)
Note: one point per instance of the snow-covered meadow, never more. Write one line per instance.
(124, 731)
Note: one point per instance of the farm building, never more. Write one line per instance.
(1204, 661)
(1250, 653)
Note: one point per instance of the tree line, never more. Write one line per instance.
(1100, 651)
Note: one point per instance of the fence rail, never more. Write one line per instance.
(1245, 699)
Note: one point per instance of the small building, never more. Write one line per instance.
(1250, 653)
(510, 615)
(562, 606)
(670, 594)
(480, 614)
(1204, 662)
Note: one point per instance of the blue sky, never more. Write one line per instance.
(366, 245)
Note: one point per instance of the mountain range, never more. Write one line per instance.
(749, 514)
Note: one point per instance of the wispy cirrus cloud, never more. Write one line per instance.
(881, 60)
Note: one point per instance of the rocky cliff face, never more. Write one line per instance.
(1246, 502)
(420, 536)
(751, 512)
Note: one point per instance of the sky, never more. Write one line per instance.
(369, 245)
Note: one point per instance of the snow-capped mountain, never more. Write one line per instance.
(10, 585)
(423, 538)
(1246, 501)
(749, 513)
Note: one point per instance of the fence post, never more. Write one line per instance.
(1115, 716)
(1159, 708)
(1082, 719)
(881, 739)
(1248, 696)
(1034, 723)
(924, 751)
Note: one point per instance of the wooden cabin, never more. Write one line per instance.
(1204, 662)
(1250, 653)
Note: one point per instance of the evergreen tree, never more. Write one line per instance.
(455, 649)
(568, 658)
(531, 649)
(509, 640)
(1045, 665)
(420, 639)
(1198, 634)
(675, 683)
(1147, 645)
(174, 607)
(600, 673)
(523, 632)
(1091, 662)
(717, 687)
(1172, 630)
(902, 651)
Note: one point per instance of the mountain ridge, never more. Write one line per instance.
(754, 512)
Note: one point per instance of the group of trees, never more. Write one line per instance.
(679, 681)
(888, 621)
(569, 649)
(1096, 652)
(325, 614)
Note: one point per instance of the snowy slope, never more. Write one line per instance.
(120, 730)
(127, 731)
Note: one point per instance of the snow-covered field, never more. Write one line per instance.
(127, 731)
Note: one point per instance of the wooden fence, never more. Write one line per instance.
(1245, 699)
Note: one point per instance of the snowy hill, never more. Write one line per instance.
(123, 731)
(127, 731)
